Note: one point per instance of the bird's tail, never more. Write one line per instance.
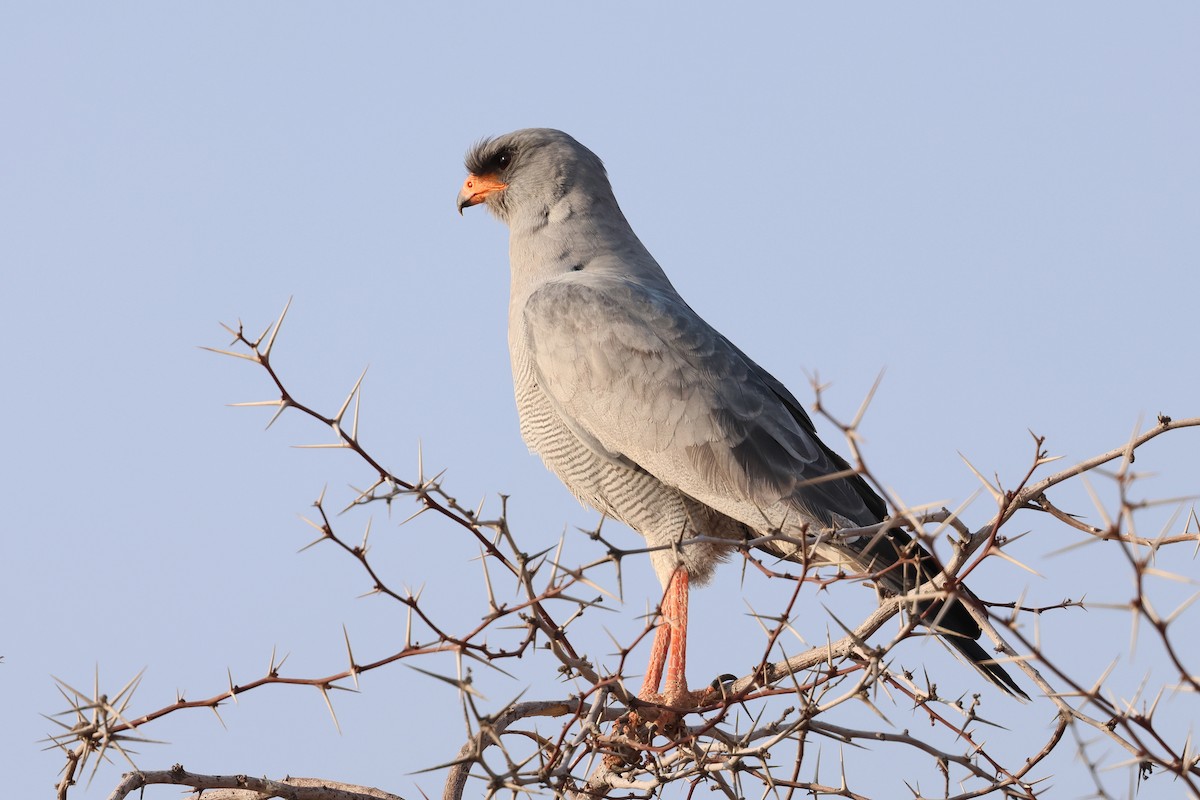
(902, 565)
(978, 658)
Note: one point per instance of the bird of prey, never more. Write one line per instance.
(651, 416)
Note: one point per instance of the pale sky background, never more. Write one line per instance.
(997, 204)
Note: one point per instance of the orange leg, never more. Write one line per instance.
(677, 619)
(670, 645)
(658, 659)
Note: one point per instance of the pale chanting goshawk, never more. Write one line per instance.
(654, 418)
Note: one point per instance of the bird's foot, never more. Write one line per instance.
(673, 705)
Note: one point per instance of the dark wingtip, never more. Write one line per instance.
(986, 665)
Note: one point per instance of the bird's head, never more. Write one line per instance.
(527, 171)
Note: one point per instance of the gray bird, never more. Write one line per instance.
(654, 418)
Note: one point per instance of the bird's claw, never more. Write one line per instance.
(666, 709)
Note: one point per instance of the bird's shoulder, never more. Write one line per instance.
(626, 356)
(611, 313)
(599, 293)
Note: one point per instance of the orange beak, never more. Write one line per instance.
(476, 188)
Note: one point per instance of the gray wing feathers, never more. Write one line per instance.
(641, 378)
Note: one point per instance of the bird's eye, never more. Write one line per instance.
(503, 159)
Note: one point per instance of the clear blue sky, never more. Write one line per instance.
(996, 203)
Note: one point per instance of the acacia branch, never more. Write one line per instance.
(245, 787)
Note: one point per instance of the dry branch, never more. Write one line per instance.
(761, 729)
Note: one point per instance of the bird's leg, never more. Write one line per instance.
(663, 637)
(669, 649)
(675, 610)
(658, 660)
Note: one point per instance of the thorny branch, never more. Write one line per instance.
(767, 730)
